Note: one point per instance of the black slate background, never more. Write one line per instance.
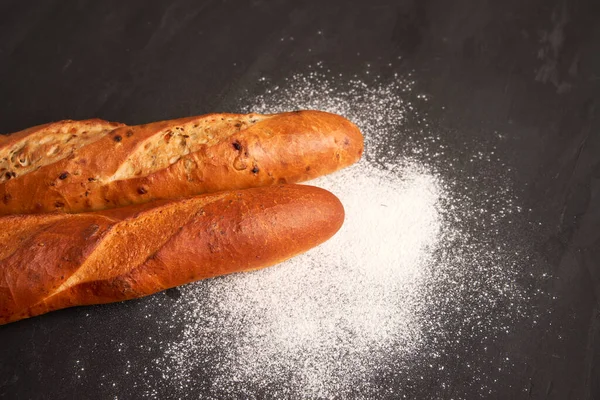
(530, 69)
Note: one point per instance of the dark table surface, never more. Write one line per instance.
(527, 68)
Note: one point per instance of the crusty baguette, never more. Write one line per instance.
(35, 147)
(54, 261)
(185, 157)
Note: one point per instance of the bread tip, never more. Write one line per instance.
(330, 207)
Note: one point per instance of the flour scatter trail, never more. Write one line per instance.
(421, 267)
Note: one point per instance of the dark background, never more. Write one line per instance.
(529, 68)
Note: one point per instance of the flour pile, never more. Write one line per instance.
(412, 272)
(322, 322)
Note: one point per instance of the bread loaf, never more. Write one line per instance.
(185, 157)
(54, 261)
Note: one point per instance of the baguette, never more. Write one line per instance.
(186, 157)
(58, 260)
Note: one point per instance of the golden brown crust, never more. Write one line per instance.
(242, 151)
(25, 151)
(64, 260)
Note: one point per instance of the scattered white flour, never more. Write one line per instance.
(322, 323)
(421, 266)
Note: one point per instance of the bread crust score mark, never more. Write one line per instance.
(28, 150)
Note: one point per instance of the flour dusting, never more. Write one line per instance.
(422, 266)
